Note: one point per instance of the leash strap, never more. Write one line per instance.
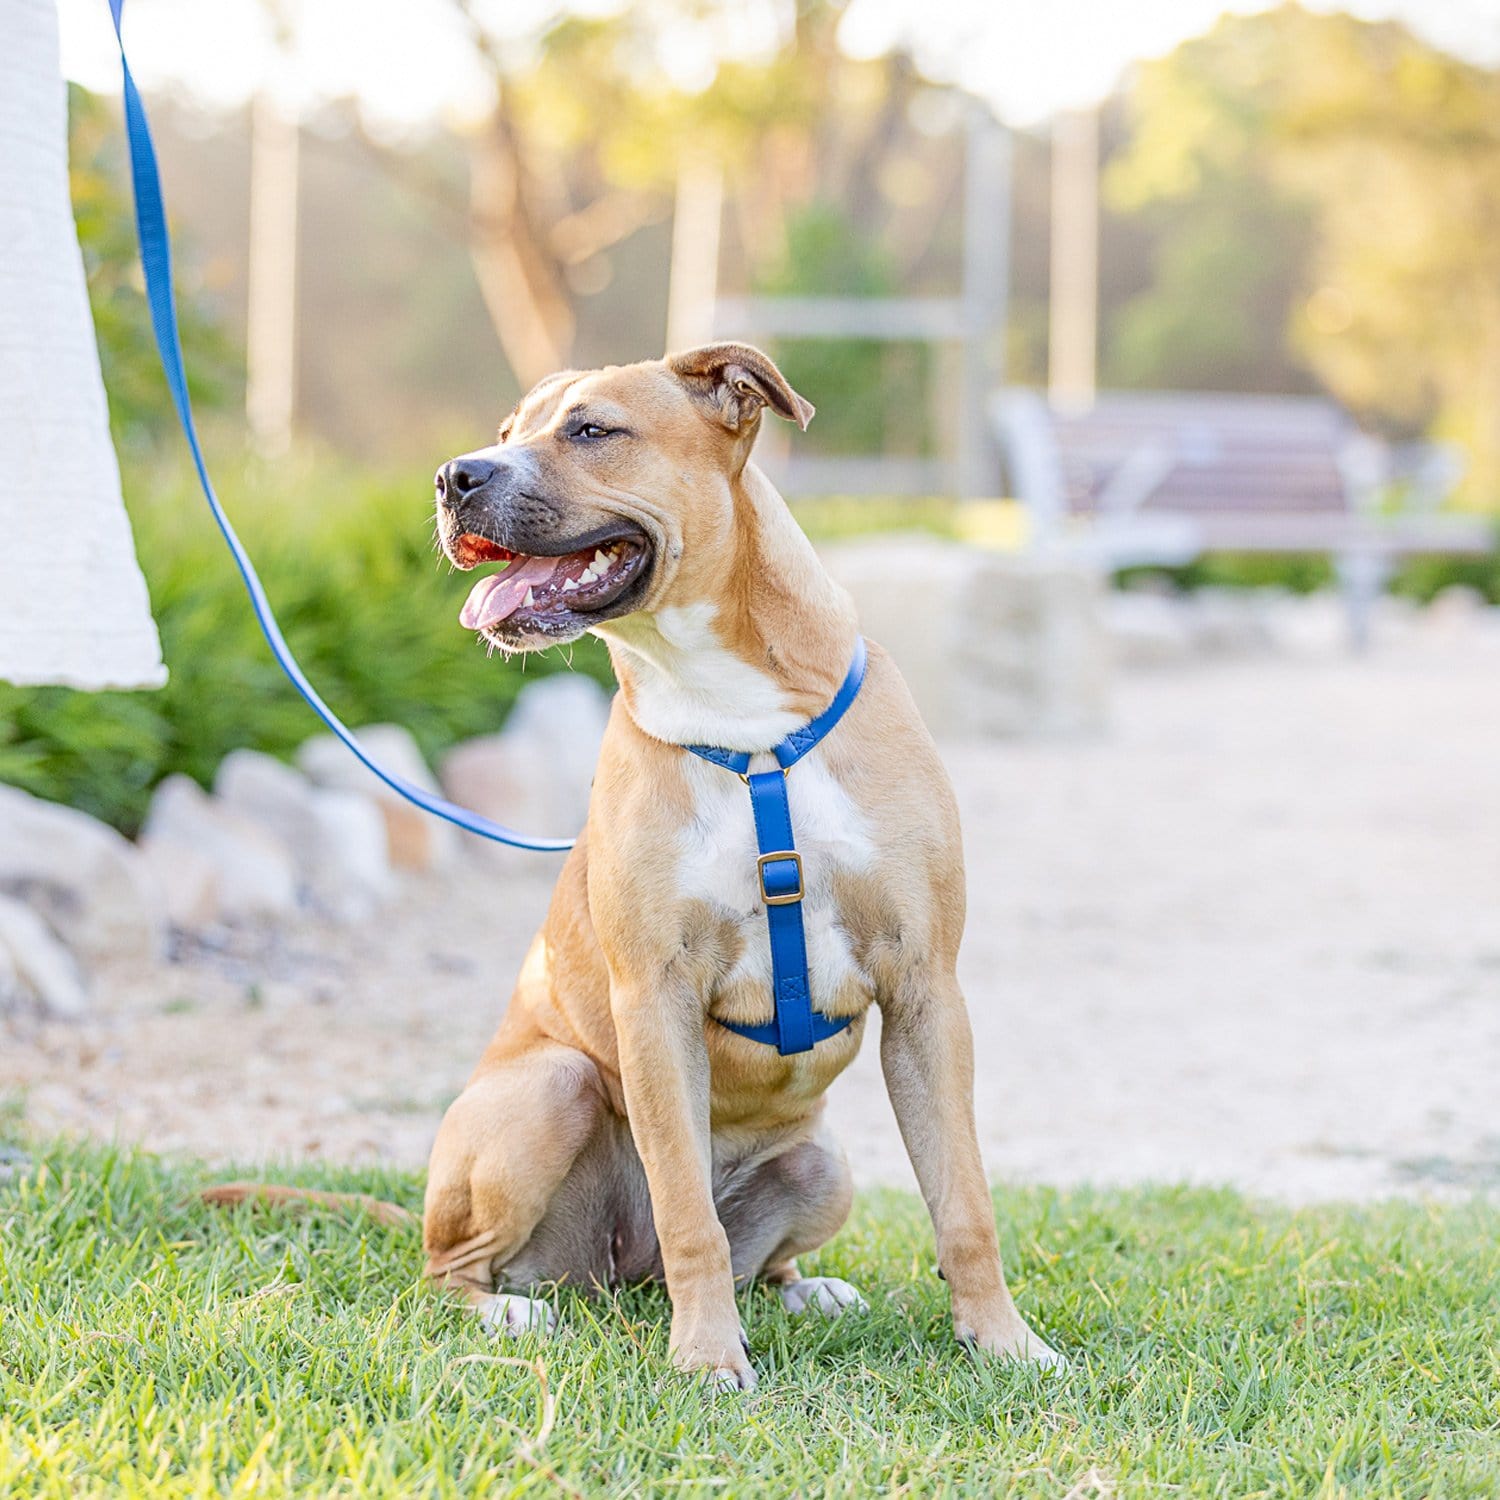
(794, 1025)
(156, 263)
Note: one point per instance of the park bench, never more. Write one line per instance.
(1161, 477)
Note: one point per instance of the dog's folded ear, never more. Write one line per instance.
(737, 380)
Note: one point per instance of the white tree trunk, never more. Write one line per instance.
(73, 605)
(1074, 302)
(271, 317)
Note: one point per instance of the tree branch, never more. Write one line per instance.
(606, 221)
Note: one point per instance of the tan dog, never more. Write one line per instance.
(613, 1130)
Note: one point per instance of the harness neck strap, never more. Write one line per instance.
(795, 1026)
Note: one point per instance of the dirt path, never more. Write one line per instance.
(1252, 937)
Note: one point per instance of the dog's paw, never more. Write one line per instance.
(729, 1378)
(827, 1296)
(1020, 1346)
(507, 1314)
(723, 1363)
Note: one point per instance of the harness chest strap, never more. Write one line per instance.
(795, 1026)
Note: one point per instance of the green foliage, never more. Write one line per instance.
(139, 407)
(881, 387)
(1421, 578)
(366, 602)
(1322, 194)
(154, 1347)
(834, 518)
(1227, 263)
(1297, 572)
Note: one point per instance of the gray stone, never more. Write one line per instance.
(337, 838)
(536, 775)
(1147, 629)
(36, 962)
(188, 881)
(255, 872)
(1231, 622)
(990, 643)
(85, 879)
(1457, 610)
(415, 839)
(349, 863)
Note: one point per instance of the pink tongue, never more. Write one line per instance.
(499, 596)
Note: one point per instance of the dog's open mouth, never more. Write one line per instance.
(548, 594)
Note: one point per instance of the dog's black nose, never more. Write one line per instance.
(457, 479)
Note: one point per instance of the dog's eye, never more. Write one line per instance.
(591, 430)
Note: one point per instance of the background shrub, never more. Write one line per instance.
(368, 604)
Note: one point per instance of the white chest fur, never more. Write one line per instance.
(690, 690)
(717, 865)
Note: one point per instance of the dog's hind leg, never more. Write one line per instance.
(506, 1145)
(784, 1208)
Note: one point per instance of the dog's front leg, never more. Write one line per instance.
(927, 1054)
(664, 1069)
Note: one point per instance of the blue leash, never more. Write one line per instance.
(794, 1025)
(156, 263)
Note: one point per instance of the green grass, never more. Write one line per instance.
(151, 1347)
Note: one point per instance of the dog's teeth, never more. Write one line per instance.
(530, 599)
(601, 559)
(588, 575)
(569, 583)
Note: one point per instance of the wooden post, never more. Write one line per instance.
(271, 316)
(693, 281)
(986, 296)
(1073, 310)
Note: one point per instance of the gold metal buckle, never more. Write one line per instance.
(760, 869)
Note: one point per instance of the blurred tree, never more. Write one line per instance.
(594, 115)
(139, 408)
(1325, 199)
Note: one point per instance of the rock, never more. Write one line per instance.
(1456, 609)
(337, 838)
(415, 839)
(1315, 624)
(563, 716)
(255, 872)
(1147, 629)
(350, 866)
(86, 880)
(38, 963)
(188, 880)
(1231, 622)
(536, 775)
(487, 776)
(263, 787)
(990, 643)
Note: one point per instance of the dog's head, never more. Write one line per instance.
(607, 492)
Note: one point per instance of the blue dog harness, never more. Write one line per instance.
(796, 1026)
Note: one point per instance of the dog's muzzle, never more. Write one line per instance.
(563, 572)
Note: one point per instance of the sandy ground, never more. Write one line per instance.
(1252, 937)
